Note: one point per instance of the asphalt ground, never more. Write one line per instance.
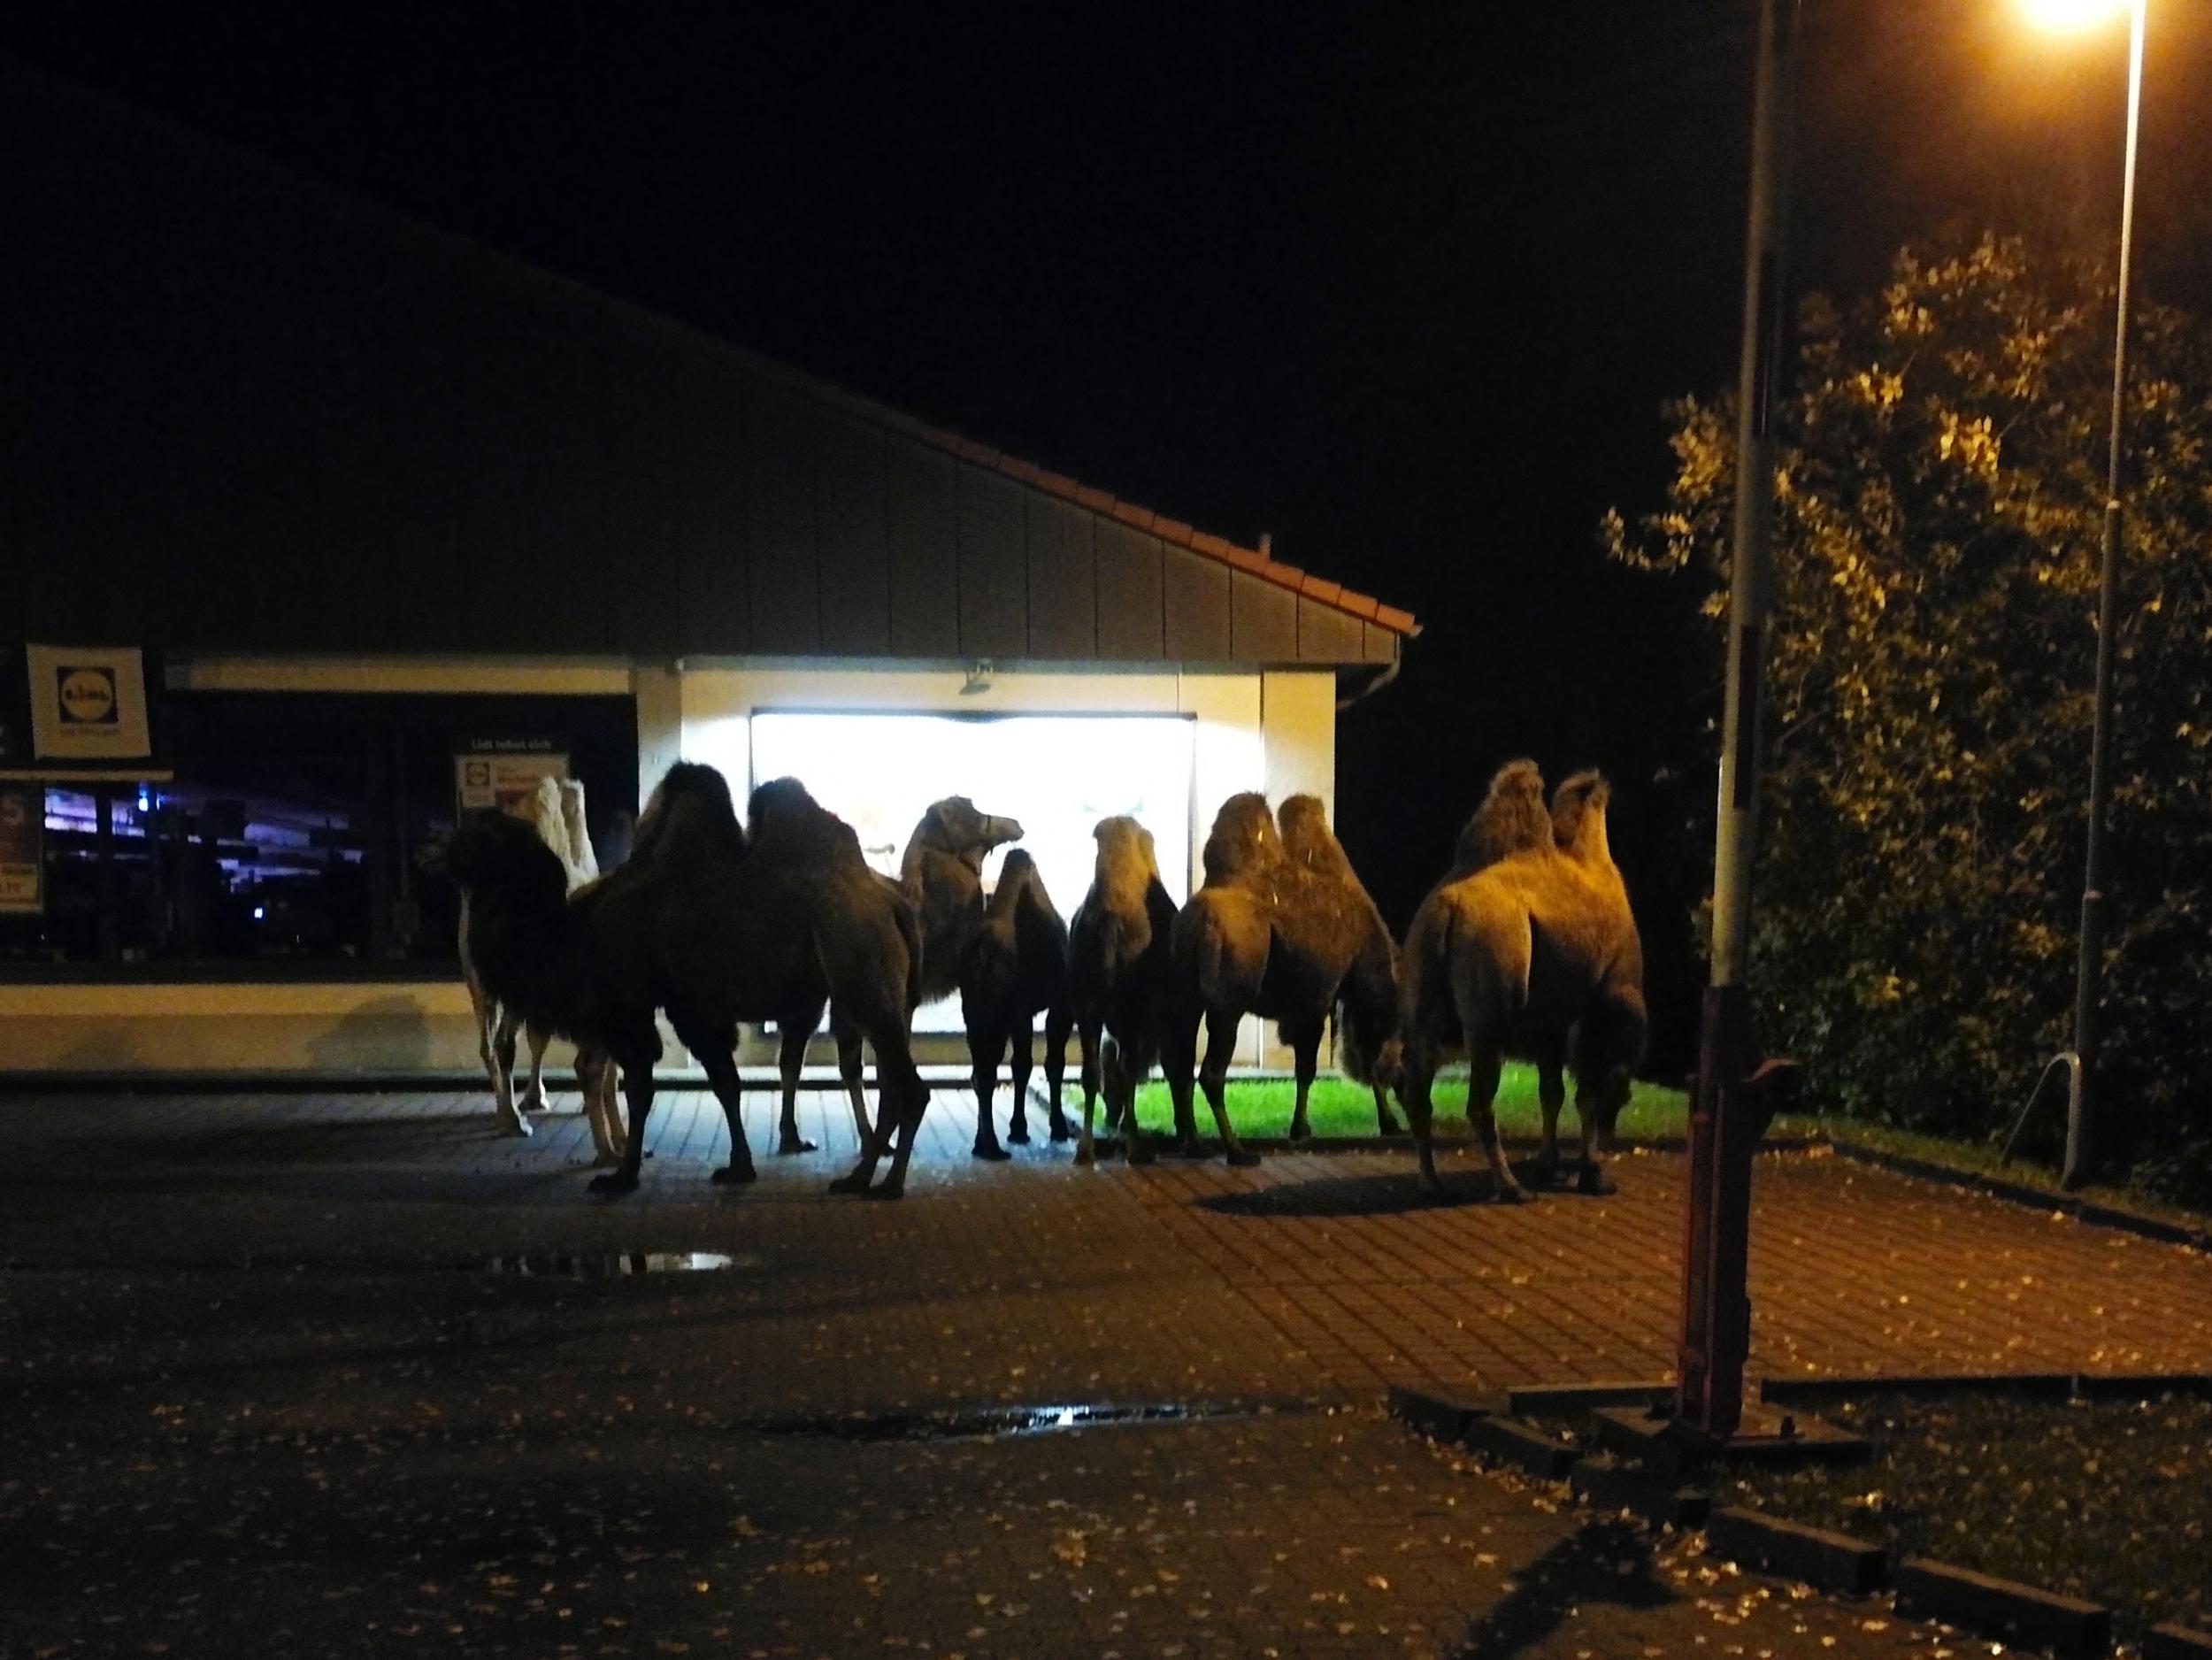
(352, 1375)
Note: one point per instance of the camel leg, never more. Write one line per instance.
(1413, 1094)
(1057, 1020)
(1178, 1059)
(900, 1086)
(1087, 1035)
(720, 1061)
(1305, 1051)
(849, 1069)
(1551, 1093)
(534, 1098)
(504, 1073)
(986, 1043)
(1484, 1063)
(1221, 1040)
(1020, 1062)
(1588, 1104)
(594, 1077)
(635, 1056)
(1385, 1121)
(791, 1061)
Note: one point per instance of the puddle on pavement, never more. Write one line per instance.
(612, 1264)
(528, 1265)
(986, 1423)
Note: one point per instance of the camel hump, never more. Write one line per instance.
(1511, 819)
(1578, 815)
(689, 809)
(1244, 838)
(1018, 883)
(1308, 839)
(787, 819)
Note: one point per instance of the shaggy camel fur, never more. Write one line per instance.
(1118, 947)
(1016, 968)
(1536, 951)
(791, 1052)
(554, 813)
(1290, 939)
(714, 928)
(942, 872)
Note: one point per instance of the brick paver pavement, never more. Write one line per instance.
(255, 1382)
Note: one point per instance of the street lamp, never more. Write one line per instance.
(2080, 1060)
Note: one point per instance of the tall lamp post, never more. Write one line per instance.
(2081, 1060)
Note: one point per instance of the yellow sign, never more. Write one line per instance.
(88, 703)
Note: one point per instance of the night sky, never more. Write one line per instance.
(1403, 285)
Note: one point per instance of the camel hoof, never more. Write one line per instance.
(614, 1181)
(1242, 1158)
(1190, 1147)
(857, 1182)
(991, 1151)
(1385, 1124)
(1508, 1192)
(1140, 1154)
(1596, 1184)
(1301, 1130)
(1018, 1135)
(1086, 1154)
(533, 1101)
(794, 1143)
(1546, 1175)
(1061, 1132)
(735, 1175)
(513, 1127)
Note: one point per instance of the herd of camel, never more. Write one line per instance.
(1526, 944)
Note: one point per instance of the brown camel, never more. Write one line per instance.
(943, 872)
(1118, 947)
(1535, 951)
(554, 813)
(1292, 939)
(714, 928)
(1016, 968)
(791, 1052)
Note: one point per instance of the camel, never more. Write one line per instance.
(713, 927)
(554, 813)
(1119, 946)
(942, 872)
(1293, 938)
(1535, 950)
(1016, 968)
(791, 1049)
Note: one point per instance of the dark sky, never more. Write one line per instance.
(1403, 285)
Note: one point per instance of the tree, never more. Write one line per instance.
(1941, 487)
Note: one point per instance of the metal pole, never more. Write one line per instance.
(2081, 1101)
(1715, 1310)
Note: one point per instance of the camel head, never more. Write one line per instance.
(1243, 836)
(953, 826)
(1511, 819)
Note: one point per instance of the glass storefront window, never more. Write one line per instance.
(289, 833)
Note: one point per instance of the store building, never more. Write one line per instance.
(391, 521)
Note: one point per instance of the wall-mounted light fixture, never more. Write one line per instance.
(979, 680)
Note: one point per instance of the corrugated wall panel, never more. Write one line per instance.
(1325, 635)
(854, 519)
(1262, 620)
(1196, 602)
(1063, 579)
(994, 566)
(1382, 645)
(924, 550)
(650, 417)
(713, 597)
(786, 602)
(1131, 620)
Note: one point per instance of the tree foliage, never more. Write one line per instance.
(1941, 490)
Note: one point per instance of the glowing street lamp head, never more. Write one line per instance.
(2072, 14)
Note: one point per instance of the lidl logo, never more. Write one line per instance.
(87, 696)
